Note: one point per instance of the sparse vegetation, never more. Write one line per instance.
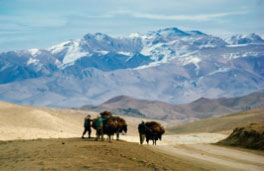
(250, 136)
(130, 112)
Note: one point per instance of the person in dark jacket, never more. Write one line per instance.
(87, 126)
(142, 131)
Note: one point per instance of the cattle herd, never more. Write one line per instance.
(109, 125)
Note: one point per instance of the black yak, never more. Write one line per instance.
(121, 126)
(151, 130)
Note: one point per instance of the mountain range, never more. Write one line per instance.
(167, 65)
(196, 110)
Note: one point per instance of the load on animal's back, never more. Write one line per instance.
(108, 124)
(106, 114)
(151, 131)
(121, 125)
(98, 122)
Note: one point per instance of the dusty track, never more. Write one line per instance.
(213, 156)
(196, 149)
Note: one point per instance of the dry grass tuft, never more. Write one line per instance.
(250, 136)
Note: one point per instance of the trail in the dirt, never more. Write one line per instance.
(195, 148)
(218, 155)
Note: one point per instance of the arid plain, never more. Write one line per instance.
(38, 138)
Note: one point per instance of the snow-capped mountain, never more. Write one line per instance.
(240, 39)
(168, 64)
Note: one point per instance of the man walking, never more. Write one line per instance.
(142, 131)
(87, 126)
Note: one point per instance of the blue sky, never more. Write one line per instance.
(42, 23)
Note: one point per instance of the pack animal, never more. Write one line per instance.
(151, 130)
(121, 126)
(109, 125)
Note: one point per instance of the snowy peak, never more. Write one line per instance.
(60, 47)
(196, 32)
(136, 51)
(174, 32)
(97, 37)
(134, 35)
(150, 49)
(168, 32)
(34, 52)
(245, 39)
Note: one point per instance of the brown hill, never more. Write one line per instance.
(219, 124)
(228, 105)
(31, 122)
(250, 136)
(151, 109)
(26, 122)
(199, 109)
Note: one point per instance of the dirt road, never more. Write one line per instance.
(195, 148)
(212, 155)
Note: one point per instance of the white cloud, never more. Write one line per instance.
(199, 17)
(42, 20)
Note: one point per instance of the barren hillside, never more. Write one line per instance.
(180, 152)
(222, 123)
(30, 122)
